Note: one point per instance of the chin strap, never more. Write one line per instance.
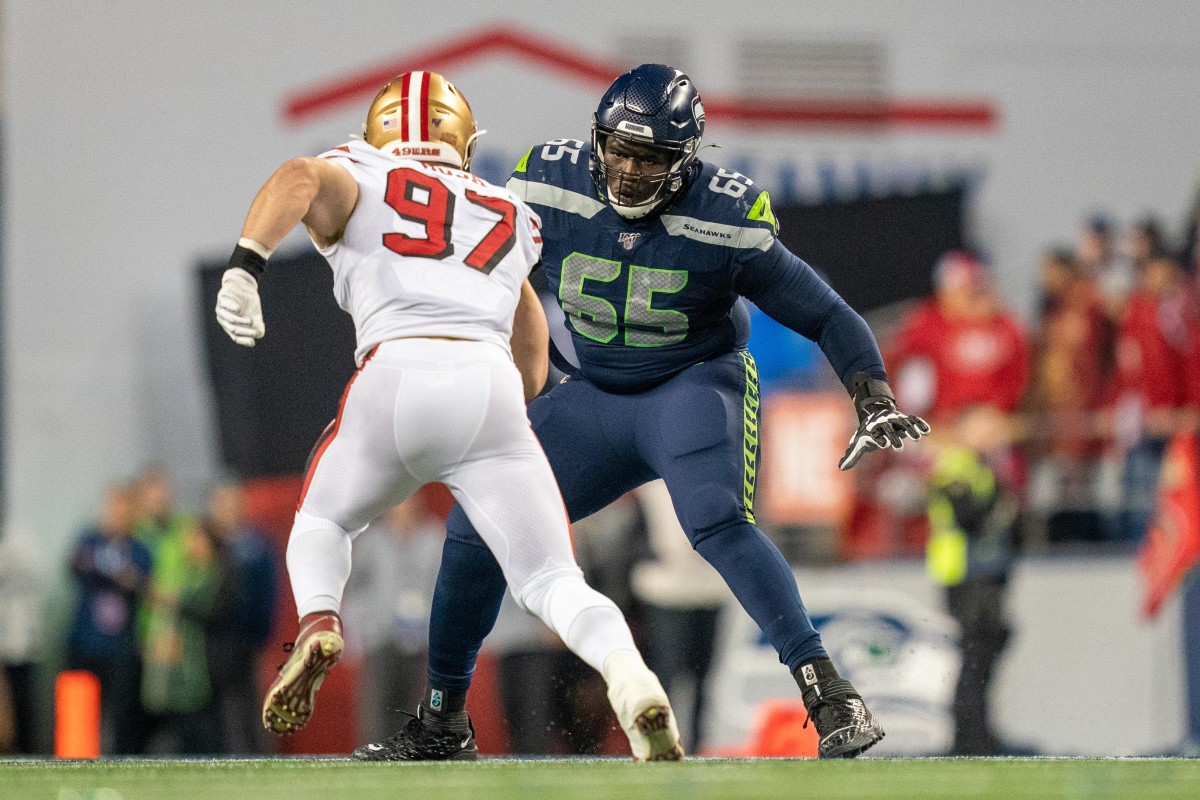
(635, 212)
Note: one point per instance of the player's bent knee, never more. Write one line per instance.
(307, 522)
(533, 593)
(711, 509)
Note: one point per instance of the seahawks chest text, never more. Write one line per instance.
(632, 286)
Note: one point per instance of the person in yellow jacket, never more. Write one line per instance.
(972, 516)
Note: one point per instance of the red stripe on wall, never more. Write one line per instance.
(886, 114)
(976, 115)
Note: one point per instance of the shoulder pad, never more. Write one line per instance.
(556, 174)
(723, 195)
(726, 208)
(555, 154)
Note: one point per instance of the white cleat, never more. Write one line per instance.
(642, 708)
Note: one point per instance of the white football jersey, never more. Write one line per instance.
(430, 251)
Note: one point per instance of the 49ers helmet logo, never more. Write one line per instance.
(426, 113)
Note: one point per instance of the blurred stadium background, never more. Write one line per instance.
(134, 134)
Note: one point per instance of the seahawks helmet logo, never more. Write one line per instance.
(698, 110)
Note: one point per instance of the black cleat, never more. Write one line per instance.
(426, 738)
(845, 726)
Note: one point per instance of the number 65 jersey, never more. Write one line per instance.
(429, 251)
(645, 299)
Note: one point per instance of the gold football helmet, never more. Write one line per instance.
(421, 115)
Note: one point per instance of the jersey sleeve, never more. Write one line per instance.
(790, 292)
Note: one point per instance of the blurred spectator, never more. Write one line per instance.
(22, 579)
(111, 570)
(1156, 385)
(175, 680)
(961, 347)
(176, 693)
(1070, 369)
(1098, 256)
(8, 721)
(683, 596)
(385, 613)
(1145, 242)
(972, 511)
(553, 701)
(239, 623)
(1189, 255)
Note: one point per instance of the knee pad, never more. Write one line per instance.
(557, 596)
(711, 509)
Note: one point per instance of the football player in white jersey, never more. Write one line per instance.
(432, 264)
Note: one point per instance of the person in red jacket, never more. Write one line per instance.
(1156, 384)
(957, 349)
(961, 347)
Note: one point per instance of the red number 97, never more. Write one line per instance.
(436, 216)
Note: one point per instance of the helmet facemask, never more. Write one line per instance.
(636, 194)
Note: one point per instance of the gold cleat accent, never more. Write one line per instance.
(291, 699)
(655, 724)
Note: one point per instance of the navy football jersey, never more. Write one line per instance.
(647, 298)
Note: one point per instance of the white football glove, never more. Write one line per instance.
(880, 424)
(239, 310)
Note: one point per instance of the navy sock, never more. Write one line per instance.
(466, 601)
(763, 583)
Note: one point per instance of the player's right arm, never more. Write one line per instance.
(313, 191)
(530, 341)
(792, 293)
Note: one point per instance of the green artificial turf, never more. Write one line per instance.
(501, 779)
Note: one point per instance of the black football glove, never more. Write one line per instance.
(880, 424)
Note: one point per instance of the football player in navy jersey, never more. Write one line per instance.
(649, 250)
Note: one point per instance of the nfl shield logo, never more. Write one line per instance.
(628, 239)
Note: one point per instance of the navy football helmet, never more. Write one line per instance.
(650, 117)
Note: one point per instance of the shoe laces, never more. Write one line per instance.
(836, 694)
(419, 731)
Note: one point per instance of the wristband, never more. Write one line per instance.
(251, 259)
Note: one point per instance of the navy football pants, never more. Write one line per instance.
(699, 433)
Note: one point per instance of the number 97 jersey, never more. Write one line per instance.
(429, 251)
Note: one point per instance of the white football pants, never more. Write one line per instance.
(429, 410)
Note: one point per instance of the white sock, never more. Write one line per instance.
(318, 563)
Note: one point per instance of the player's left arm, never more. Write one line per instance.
(790, 292)
(314, 191)
(531, 341)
